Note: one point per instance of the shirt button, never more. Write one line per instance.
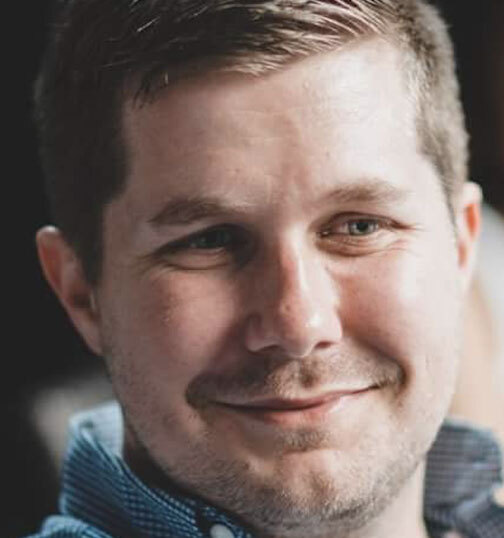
(220, 531)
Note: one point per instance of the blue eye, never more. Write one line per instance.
(223, 245)
(353, 227)
(215, 238)
(363, 227)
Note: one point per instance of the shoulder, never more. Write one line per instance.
(68, 527)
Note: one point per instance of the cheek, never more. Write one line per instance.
(406, 308)
(175, 324)
(161, 334)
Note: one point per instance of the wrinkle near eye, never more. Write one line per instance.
(358, 235)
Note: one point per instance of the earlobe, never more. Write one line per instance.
(468, 221)
(63, 271)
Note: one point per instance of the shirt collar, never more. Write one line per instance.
(100, 488)
(464, 468)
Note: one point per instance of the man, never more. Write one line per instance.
(266, 230)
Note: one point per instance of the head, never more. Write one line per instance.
(145, 46)
(266, 229)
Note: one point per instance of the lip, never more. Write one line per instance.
(297, 412)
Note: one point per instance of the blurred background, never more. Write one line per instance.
(47, 371)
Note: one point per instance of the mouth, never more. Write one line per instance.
(297, 412)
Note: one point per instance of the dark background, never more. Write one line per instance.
(41, 346)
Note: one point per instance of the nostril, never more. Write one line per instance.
(322, 346)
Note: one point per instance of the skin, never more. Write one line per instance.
(295, 366)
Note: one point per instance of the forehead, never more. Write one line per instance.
(337, 116)
(368, 71)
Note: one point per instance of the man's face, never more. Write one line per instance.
(281, 287)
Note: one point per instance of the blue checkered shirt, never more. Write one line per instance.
(102, 498)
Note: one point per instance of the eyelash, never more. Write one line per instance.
(240, 246)
(186, 242)
(377, 225)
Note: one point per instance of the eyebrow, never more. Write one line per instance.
(186, 210)
(182, 211)
(371, 191)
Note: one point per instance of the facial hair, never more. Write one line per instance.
(366, 483)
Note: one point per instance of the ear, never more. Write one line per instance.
(468, 223)
(63, 270)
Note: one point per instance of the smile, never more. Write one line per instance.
(297, 412)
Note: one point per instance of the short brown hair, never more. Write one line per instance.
(102, 51)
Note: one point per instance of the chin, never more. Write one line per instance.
(316, 490)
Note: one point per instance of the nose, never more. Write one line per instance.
(294, 305)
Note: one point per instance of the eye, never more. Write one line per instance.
(355, 235)
(215, 238)
(354, 227)
(214, 247)
(362, 227)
